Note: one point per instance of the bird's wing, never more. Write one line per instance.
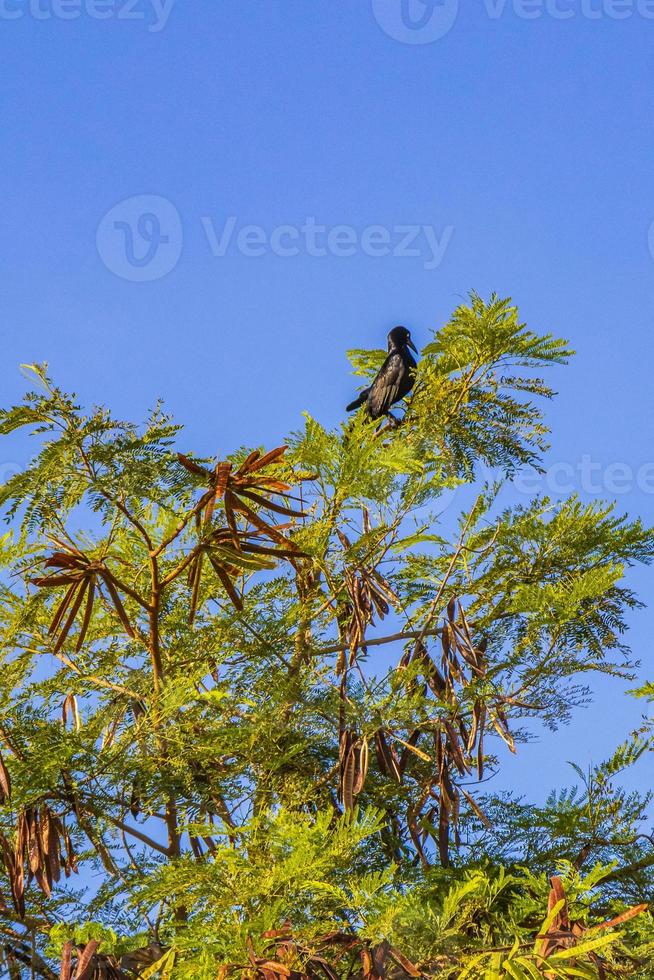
(360, 400)
(387, 386)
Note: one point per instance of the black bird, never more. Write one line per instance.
(395, 378)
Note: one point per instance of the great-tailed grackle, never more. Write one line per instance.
(395, 378)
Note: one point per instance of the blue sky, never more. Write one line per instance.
(144, 137)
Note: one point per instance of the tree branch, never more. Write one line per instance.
(376, 642)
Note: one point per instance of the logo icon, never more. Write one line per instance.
(416, 21)
(141, 238)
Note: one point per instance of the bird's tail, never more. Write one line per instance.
(358, 402)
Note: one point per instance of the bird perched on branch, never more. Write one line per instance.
(395, 378)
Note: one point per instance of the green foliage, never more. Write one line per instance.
(249, 708)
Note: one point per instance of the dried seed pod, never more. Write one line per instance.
(5, 782)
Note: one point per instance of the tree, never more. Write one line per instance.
(250, 707)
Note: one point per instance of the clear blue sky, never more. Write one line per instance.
(524, 144)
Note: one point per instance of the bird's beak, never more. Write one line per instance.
(412, 346)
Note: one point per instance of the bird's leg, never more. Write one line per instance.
(389, 425)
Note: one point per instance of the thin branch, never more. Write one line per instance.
(184, 563)
(93, 678)
(377, 642)
(130, 592)
(180, 527)
(135, 832)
